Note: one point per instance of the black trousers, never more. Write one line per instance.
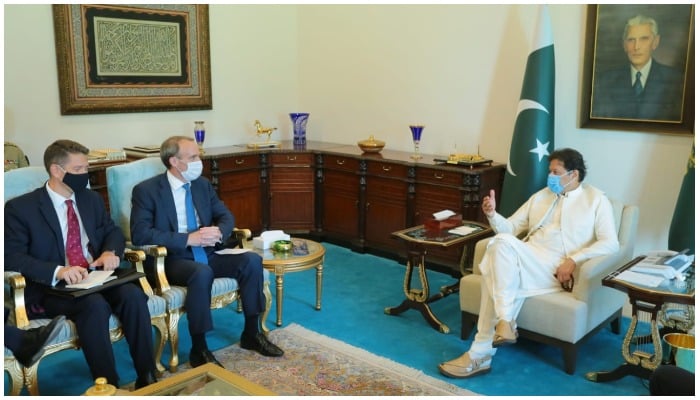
(245, 268)
(669, 380)
(91, 315)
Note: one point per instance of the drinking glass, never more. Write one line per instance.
(199, 134)
(416, 131)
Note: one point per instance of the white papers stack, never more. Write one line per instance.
(95, 278)
(462, 230)
(235, 251)
(640, 279)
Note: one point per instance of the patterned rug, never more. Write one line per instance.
(316, 365)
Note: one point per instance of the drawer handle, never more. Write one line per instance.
(340, 162)
(386, 168)
(239, 162)
(291, 158)
(438, 176)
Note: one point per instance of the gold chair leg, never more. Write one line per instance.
(14, 369)
(173, 319)
(161, 336)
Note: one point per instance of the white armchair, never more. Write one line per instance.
(564, 319)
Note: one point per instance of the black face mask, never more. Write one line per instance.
(76, 182)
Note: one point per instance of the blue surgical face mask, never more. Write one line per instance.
(193, 171)
(554, 183)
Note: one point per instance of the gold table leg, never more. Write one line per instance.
(417, 299)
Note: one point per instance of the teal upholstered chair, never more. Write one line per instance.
(565, 319)
(121, 180)
(20, 181)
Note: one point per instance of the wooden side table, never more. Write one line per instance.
(417, 242)
(641, 347)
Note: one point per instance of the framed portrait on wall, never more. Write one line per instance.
(639, 68)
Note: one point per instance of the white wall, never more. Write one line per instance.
(362, 70)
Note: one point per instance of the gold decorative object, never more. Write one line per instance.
(260, 130)
(371, 145)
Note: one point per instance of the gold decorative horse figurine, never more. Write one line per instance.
(263, 131)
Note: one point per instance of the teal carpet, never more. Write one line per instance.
(356, 289)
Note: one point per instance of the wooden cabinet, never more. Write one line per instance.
(339, 200)
(385, 205)
(238, 181)
(291, 194)
(453, 188)
(98, 179)
(338, 194)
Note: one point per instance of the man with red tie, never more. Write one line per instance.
(56, 233)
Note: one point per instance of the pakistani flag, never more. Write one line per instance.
(533, 135)
(681, 235)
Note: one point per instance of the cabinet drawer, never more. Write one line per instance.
(340, 163)
(438, 177)
(292, 159)
(237, 162)
(387, 170)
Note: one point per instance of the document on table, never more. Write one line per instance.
(235, 251)
(462, 230)
(640, 278)
(95, 278)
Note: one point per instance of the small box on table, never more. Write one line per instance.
(434, 227)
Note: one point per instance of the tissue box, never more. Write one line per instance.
(265, 240)
(434, 227)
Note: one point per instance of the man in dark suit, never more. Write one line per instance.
(643, 89)
(181, 211)
(56, 233)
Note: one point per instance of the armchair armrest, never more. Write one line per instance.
(14, 298)
(242, 237)
(136, 258)
(590, 274)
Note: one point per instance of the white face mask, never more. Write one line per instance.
(194, 170)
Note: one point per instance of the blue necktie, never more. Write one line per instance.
(199, 254)
(638, 84)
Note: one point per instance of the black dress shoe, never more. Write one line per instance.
(198, 358)
(260, 344)
(148, 379)
(34, 341)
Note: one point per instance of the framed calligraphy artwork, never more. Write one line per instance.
(115, 59)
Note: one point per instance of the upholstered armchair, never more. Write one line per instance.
(121, 180)
(20, 181)
(564, 319)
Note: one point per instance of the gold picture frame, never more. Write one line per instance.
(144, 58)
(605, 103)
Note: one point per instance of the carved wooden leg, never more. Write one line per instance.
(14, 370)
(161, 336)
(172, 319)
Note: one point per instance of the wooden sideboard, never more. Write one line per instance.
(337, 193)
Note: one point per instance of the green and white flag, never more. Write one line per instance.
(533, 135)
(681, 235)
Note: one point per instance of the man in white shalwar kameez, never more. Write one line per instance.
(561, 226)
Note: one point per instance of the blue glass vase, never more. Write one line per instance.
(299, 121)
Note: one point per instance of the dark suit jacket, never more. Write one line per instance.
(34, 243)
(614, 97)
(154, 219)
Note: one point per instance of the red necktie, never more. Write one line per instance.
(74, 250)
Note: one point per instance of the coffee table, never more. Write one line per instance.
(305, 254)
(205, 380)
